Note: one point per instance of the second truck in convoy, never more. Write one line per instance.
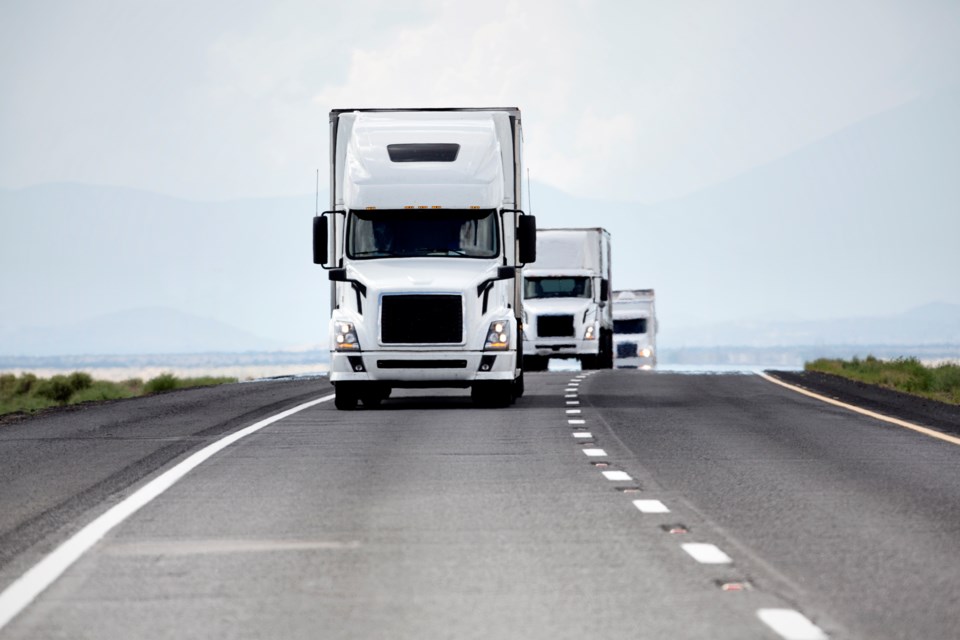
(567, 312)
(424, 241)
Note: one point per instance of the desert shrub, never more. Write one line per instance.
(56, 389)
(25, 384)
(101, 390)
(8, 384)
(80, 380)
(163, 382)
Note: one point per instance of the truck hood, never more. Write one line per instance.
(546, 306)
(451, 275)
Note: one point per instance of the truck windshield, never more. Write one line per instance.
(557, 288)
(414, 233)
(630, 325)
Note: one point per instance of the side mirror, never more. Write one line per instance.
(320, 240)
(604, 290)
(527, 237)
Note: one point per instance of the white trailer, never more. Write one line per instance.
(424, 242)
(635, 329)
(565, 299)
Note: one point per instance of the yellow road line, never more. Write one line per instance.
(900, 423)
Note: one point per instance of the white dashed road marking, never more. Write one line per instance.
(573, 411)
(573, 402)
(651, 506)
(617, 476)
(706, 553)
(576, 421)
(582, 434)
(791, 624)
(595, 453)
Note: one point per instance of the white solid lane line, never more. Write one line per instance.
(616, 476)
(706, 553)
(27, 587)
(651, 506)
(790, 624)
(595, 453)
(878, 416)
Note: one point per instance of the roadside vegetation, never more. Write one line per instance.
(941, 382)
(27, 393)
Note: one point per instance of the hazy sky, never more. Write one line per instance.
(767, 158)
(634, 100)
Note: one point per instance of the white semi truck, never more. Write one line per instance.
(635, 329)
(424, 242)
(567, 313)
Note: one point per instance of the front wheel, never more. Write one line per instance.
(346, 397)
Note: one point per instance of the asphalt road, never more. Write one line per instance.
(430, 518)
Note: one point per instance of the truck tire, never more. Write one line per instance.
(606, 350)
(346, 397)
(492, 394)
(588, 363)
(372, 394)
(518, 387)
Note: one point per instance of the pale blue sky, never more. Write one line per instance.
(634, 100)
(766, 158)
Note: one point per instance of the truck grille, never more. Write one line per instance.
(626, 350)
(555, 326)
(421, 319)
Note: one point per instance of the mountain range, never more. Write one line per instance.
(849, 239)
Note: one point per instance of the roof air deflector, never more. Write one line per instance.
(423, 152)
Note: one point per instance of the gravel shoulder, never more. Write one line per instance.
(929, 413)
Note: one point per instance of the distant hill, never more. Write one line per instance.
(932, 324)
(865, 222)
(139, 331)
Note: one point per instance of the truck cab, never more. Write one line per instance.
(424, 241)
(635, 329)
(565, 296)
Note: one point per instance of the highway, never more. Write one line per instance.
(611, 504)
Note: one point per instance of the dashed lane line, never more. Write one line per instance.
(705, 553)
(651, 506)
(790, 624)
(16, 597)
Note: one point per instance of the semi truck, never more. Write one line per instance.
(567, 313)
(635, 329)
(424, 244)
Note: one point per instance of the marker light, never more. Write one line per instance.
(345, 338)
(498, 337)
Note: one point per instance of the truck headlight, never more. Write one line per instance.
(498, 337)
(590, 333)
(345, 338)
(646, 352)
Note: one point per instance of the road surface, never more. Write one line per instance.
(621, 504)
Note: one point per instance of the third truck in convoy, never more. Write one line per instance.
(635, 329)
(424, 241)
(567, 312)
